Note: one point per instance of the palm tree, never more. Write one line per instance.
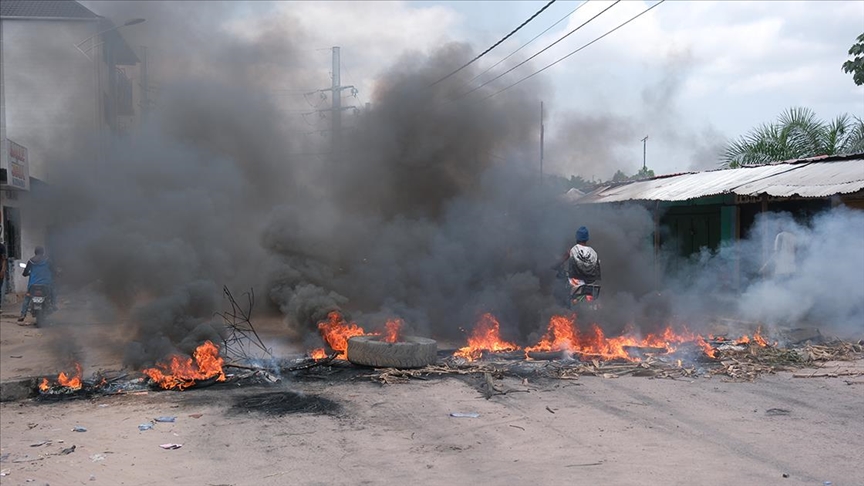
(796, 134)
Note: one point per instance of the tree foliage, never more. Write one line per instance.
(796, 134)
(855, 66)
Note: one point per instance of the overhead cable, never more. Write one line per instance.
(540, 52)
(496, 44)
(577, 50)
(530, 41)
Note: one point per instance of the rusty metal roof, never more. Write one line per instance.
(814, 177)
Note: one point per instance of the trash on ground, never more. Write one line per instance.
(777, 411)
(97, 457)
(465, 414)
(5, 472)
(196, 415)
(165, 419)
(170, 446)
(78, 428)
(145, 426)
(68, 450)
(41, 443)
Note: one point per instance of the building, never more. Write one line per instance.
(705, 209)
(65, 83)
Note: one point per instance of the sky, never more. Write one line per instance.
(689, 75)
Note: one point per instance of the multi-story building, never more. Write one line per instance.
(65, 86)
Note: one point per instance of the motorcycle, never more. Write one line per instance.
(579, 293)
(41, 301)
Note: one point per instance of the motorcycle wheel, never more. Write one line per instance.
(37, 315)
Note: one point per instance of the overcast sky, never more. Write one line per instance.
(687, 74)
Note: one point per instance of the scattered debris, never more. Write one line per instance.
(78, 428)
(777, 411)
(170, 446)
(32, 425)
(549, 409)
(97, 457)
(165, 419)
(517, 427)
(737, 363)
(145, 426)
(196, 415)
(464, 414)
(15, 356)
(5, 472)
(41, 443)
(68, 450)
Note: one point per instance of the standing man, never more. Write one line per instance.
(783, 262)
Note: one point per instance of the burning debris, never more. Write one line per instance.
(181, 373)
(485, 338)
(64, 381)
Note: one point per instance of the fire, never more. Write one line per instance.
(485, 337)
(757, 339)
(181, 372)
(563, 335)
(318, 353)
(72, 382)
(336, 332)
(393, 331)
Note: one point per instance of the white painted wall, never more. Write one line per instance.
(50, 88)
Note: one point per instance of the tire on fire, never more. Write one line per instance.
(411, 352)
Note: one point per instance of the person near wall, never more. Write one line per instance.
(783, 263)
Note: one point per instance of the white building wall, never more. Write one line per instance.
(52, 97)
(53, 101)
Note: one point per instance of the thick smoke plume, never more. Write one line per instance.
(414, 216)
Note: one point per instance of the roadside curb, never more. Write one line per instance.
(20, 389)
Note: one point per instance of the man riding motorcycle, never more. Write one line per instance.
(40, 271)
(583, 269)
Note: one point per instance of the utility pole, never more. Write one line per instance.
(542, 135)
(336, 104)
(644, 153)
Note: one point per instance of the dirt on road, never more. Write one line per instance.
(632, 430)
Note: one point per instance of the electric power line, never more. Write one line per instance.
(496, 44)
(577, 50)
(538, 53)
(530, 41)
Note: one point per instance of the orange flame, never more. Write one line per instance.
(336, 332)
(393, 332)
(563, 335)
(181, 373)
(485, 337)
(318, 353)
(73, 382)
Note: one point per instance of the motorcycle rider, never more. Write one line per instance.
(583, 264)
(40, 271)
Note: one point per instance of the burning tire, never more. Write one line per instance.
(411, 352)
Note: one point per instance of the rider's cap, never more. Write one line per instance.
(582, 234)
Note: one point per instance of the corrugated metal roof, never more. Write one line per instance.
(817, 177)
(54, 9)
